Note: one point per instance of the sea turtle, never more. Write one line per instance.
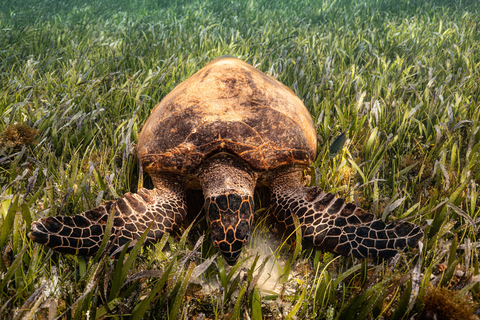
(225, 130)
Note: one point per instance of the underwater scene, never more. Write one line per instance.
(242, 159)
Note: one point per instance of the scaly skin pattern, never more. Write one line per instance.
(133, 213)
(333, 225)
(229, 218)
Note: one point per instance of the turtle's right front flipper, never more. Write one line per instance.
(134, 212)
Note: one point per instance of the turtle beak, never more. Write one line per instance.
(229, 217)
(230, 256)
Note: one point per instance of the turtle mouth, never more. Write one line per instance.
(229, 217)
(230, 256)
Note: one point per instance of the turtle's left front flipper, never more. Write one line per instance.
(333, 225)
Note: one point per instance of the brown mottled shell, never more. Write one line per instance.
(227, 106)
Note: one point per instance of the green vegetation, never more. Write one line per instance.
(401, 78)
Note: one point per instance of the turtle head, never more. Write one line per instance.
(228, 185)
(229, 217)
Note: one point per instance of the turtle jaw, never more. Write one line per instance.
(229, 217)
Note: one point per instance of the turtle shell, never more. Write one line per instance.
(232, 107)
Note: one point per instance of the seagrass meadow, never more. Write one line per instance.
(401, 79)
